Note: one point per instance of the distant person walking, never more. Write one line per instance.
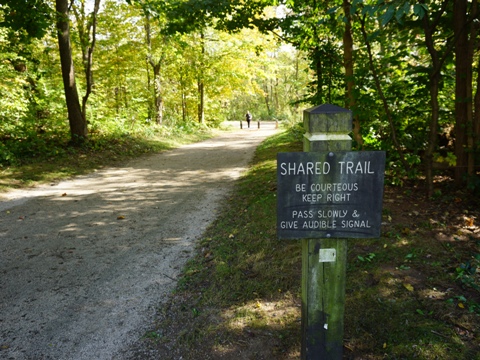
(248, 117)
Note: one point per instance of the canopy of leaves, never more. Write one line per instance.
(191, 15)
(32, 16)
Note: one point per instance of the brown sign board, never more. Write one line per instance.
(330, 194)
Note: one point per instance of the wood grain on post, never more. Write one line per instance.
(323, 283)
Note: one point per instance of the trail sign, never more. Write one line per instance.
(335, 194)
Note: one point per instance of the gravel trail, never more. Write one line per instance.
(85, 262)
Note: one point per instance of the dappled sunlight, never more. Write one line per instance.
(256, 324)
(262, 315)
(433, 294)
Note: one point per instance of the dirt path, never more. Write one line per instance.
(84, 263)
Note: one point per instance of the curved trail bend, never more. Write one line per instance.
(85, 262)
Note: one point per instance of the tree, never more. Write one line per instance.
(443, 36)
(348, 63)
(156, 65)
(32, 16)
(87, 31)
(466, 131)
(77, 121)
(122, 86)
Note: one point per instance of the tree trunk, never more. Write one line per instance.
(476, 117)
(473, 136)
(184, 97)
(158, 93)
(435, 78)
(87, 31)
(349, 75)
(78, 124)
(184, 106)
(201, 101)
(267, 97)
(201, 85)
(433, 127)
(89, 63)
(463, 88)
(319, 72)
(156, 66)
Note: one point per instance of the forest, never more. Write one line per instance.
(79, 72)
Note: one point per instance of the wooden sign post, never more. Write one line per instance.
(327, 194)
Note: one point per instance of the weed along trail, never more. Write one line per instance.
(84, 263)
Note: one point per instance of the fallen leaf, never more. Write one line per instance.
(461, 306)
(408, 287)
(469, 222)
(120, 217)
(64, 194)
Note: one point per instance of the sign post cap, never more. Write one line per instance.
(326, 109)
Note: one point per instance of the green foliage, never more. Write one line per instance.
(31, 18)
(193, 15)
(367, 258)
(467, 272)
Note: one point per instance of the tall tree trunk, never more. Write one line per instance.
(275, 95)
(89, 65)
(463, 88)
(184, 106)
(266, 96)
(435, 78)
(77, 122)
(156, 66)
(87, 30)
(200, 83)
(148, 41)
(349, 75)
(158, 93)
(433, 131)
(476, 116)
(201, 101)
(473, 136)
(319, 72)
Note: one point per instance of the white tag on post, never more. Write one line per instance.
(327, 255)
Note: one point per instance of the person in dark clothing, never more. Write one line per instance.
(248, 117)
